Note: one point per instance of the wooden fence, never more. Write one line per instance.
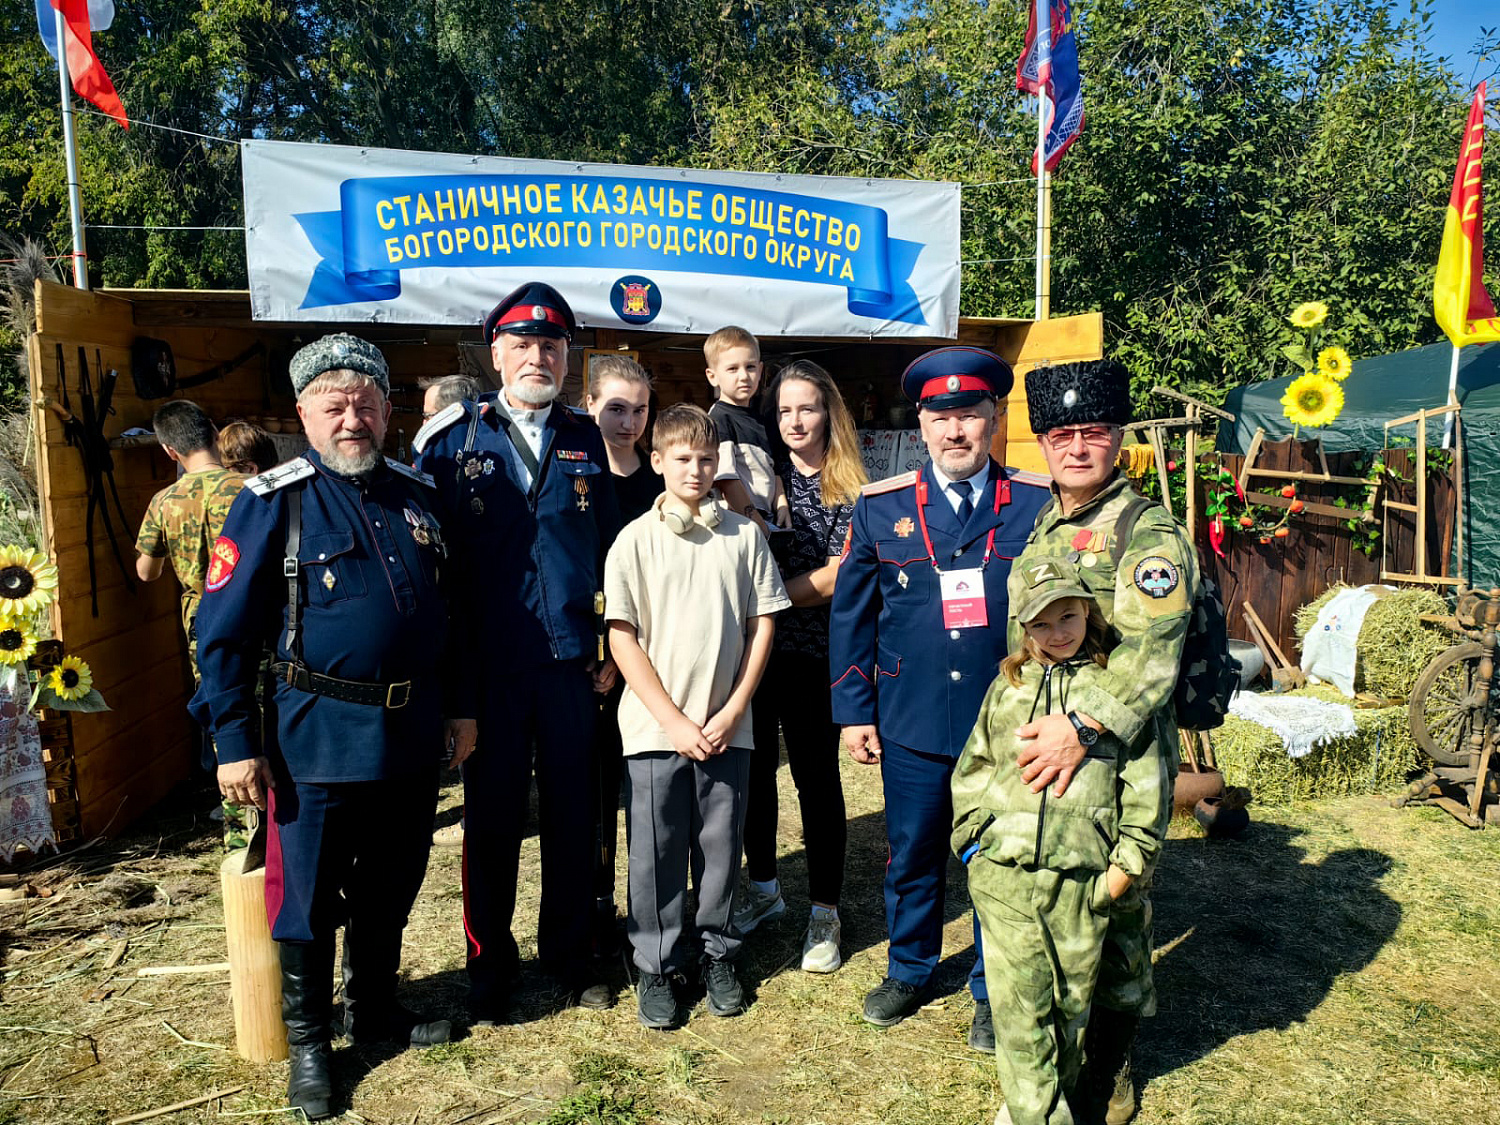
(1280, 577)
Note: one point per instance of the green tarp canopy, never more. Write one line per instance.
(1392, 386)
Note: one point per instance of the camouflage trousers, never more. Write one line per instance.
(1125, 983)
(1043, 931)
(236, 829)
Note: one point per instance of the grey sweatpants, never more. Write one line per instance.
(684, 815)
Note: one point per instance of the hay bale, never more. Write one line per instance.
(1395, 644)
(1248, 754)
(1306, 617)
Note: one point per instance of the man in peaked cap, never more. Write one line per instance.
(1077, 412)
(916, 632)
(331, 560)
(532, 513)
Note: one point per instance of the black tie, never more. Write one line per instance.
(965, 492)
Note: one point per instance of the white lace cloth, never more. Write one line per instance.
(25, 819)
(1300, 722)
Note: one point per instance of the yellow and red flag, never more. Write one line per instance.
(1460, 304)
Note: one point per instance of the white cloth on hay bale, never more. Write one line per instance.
(1330, 651)
(1300, 722)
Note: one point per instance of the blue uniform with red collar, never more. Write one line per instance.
(895, 664)
(529, 562)
(356, 783)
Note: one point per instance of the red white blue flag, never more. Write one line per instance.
(1049, 61)
(81, 18)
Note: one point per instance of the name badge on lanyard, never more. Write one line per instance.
(962, 592)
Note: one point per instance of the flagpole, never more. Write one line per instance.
(1043, 297)
(1452, 399)
(70, 154)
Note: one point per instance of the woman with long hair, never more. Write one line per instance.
(619, 399)
(822, 474)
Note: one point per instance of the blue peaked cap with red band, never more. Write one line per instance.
(946, 378)
(535, 309)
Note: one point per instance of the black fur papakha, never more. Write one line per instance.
(1078, 394)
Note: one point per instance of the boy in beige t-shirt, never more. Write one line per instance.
(689, 589)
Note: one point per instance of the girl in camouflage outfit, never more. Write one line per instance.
(1044, 869)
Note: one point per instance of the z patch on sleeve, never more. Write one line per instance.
(1159, 582)
(226, 557)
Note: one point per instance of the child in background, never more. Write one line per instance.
(689, 590)
(747, 477)
(1043, 870)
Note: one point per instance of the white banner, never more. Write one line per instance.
(358, 234)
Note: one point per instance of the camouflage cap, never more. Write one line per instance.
(339, 352)
(1044, 581)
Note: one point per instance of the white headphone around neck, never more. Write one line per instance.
(710, 515)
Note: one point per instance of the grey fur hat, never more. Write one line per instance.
(339, 352)
(1078, 394)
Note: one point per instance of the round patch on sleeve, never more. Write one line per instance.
(225, 557)
(1156, 577)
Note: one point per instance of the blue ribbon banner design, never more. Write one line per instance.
(389, 224)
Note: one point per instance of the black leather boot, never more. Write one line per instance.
(1106, 1090)
(371, 1013)
(307, 1007)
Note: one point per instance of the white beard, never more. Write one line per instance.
(351, 466)
(531, 394)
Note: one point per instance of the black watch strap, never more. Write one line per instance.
(1087, 735)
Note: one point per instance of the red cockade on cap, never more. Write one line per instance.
(532, 313)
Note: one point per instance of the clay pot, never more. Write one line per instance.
(1193, 786)
(1218, 821)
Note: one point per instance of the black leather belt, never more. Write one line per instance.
(390, 696)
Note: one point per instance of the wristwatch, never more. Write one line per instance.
(1087, 735)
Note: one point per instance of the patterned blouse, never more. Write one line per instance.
(817, 535)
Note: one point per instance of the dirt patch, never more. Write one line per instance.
(1337, 964)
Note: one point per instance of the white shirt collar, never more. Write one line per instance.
(976, 482)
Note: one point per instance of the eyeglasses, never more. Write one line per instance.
(428, 415)
(1062, 437)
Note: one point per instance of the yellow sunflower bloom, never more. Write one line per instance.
(17, 641)
(1309, 314)
(1335, 363)
(1313, 400)
(27, 580)
(72, 679)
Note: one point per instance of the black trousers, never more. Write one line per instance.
(553, 706)
(794, 698)
(609, 755)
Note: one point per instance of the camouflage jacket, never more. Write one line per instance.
(1115, 810)
(1148, 601)
(182, 521)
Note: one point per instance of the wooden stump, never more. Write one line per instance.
(254, 963)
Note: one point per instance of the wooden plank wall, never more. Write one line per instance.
(1281, 578)
(128, 758)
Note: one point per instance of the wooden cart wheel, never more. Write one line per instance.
(1443, 704)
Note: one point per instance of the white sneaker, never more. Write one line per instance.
(820, 949)
(450, 837)
(759, 907)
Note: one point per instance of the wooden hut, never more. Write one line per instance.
(116, 765)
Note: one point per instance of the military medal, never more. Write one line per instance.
(902, 579)
(904, 526)
(1082, 539)
(1088, 559)
(328, 580)
(472, 469)
(581, 486)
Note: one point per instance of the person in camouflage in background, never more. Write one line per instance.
(1043, 873)
(182, 524)
(1077, 412)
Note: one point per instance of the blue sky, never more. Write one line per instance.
(1455, 28)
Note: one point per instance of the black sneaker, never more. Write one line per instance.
(655, 1002)
(982, 1029)
(891, 1001)
(725, 996)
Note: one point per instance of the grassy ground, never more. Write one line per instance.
(1341, 963)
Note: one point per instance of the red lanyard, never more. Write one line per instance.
(1002, 496)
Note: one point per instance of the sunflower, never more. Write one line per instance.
(1313, 400)
(27, 580)
(17, 641)
(1335, 363)
(1309, 314)
(71, 679)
